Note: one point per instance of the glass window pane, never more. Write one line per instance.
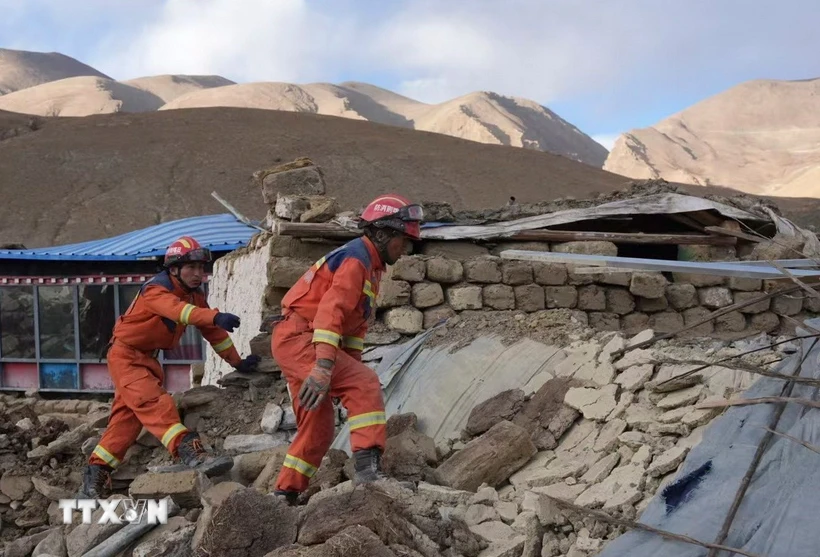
(17, 321)
(57, 322)
(127, 294)
(96, 319)
(190, 346)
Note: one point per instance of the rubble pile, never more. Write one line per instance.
(603, 433)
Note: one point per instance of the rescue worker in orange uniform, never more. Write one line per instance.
(319, 342)
(156, 320)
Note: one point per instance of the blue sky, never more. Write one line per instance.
(606, 66)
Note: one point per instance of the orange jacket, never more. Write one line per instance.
(338, 295)
(158, 316)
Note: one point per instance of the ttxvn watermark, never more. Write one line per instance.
(117, 511)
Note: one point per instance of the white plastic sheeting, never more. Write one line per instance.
(443, 388)
(778, 515)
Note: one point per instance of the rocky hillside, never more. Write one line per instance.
(761, 137)
(482, 116)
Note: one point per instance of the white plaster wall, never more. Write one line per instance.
(238, 286)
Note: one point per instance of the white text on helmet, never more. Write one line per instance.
(174, 250)
(385, 208)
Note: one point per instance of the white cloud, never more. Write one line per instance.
(255, 40)
(614, 56)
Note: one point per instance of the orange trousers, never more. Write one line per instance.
(139, 400)
(353, 382)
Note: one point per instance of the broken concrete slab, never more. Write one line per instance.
(681, 398)
(491, 458)
(607, 440)
(254, 443)
(635, 377)
(601, 469)
(594, 404)
(667, 461)
(185, 488)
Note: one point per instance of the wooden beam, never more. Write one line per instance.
(734, 233)
(315, 230)
(333, 230)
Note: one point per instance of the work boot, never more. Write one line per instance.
(194, 455)
(368, 466)
(291, 497)
(96, 482)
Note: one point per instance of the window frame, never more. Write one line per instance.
(78, 361)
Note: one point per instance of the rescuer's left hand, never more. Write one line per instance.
(317, 385)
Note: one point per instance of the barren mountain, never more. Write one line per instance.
(482, 116)
(82, 96)
(20, 69)
(169, 87)
(760, 137)
(73, 179)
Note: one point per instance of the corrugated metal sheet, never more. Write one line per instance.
(217, 232)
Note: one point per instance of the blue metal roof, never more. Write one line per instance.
(216, 232)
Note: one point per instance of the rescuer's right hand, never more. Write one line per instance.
(227, 321)
(316, 386)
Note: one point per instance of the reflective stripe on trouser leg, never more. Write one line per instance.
(101, 453)
(296, 463)
(171, 433)
(121, 432)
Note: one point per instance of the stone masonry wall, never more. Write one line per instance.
(446, 278)
(449, 277)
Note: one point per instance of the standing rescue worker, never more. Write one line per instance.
(319, 344)
(156, 320)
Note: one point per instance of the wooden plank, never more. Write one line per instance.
(333, 230)
(734, 233)
(723, 269)
(315, 230)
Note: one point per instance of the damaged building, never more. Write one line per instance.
(568, 379)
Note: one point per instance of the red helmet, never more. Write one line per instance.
(396, 212)
(186, 250)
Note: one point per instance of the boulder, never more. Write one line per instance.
(491, 458)
(503, 406)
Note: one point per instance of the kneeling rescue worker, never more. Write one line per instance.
(319, 344)
(156, 320)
